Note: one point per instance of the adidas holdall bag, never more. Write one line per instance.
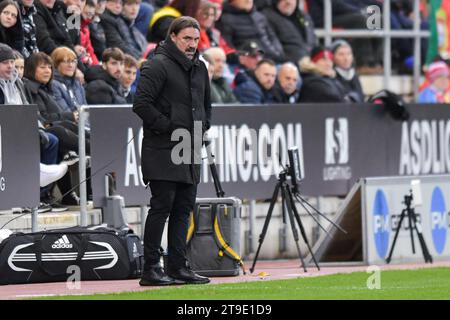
(100, 254)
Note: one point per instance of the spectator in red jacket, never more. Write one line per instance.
(87, 15)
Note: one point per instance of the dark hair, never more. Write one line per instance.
(130, 1)
(91, 3)
(112, 53)
(6, 3)
(182, 23)
(33, 61)
(130, 62)
(186, 7)
(265, 61)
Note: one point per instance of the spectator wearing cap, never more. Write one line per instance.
(294, 28)
(220, 89)
(103, 86)
(321, 85)
(27, 10)
(287, 86)
(345, 71)
(257, 87)
(211, 37)
(12, 90)
(437, 91)
(63, 124)
(249, 54)
(241, 22)
(11, 32)
(67, 89)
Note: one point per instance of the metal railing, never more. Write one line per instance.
(385, 33)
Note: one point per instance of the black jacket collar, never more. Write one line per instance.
(35, 86)
(169, 49)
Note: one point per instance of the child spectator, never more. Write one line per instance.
(437, 91)
(130, 67)
(19, 62)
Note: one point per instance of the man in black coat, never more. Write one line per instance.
(241, 22)
(294, 28)
(321, 84)
(173, 93)
(52, 30)
(345, 70)
(120, 31)
(103, 81)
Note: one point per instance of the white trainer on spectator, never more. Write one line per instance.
(70, 158)
(52, 173)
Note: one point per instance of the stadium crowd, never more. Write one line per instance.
(60, 54)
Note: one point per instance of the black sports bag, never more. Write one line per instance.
(100, 254)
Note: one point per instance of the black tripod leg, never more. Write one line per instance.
(303, 201)
(410, 221)
(266, 224)
(388, 259)
(287, 200)
(423, 245)
(302, 229)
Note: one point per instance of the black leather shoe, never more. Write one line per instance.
(155, 277)
(186, 275)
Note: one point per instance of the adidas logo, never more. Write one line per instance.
(62, 243)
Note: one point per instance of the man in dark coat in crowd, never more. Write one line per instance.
(173, 93)
(321, 84)
(294, 28)
(345, 70)
(287, 87)
(257, 87)
(51, 27)
(120, 31)
(103, 81)
(240, 22)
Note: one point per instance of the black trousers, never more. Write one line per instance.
(175, 201)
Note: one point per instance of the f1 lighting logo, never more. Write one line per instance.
(381, 225)
(336, 150)
(438, 220)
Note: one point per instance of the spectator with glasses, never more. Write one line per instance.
(67, 89)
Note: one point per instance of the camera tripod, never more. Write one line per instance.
(414, 225)
(288, 204)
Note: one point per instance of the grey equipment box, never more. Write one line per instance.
(214, 237)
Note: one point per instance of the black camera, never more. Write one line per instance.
(295, 170)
